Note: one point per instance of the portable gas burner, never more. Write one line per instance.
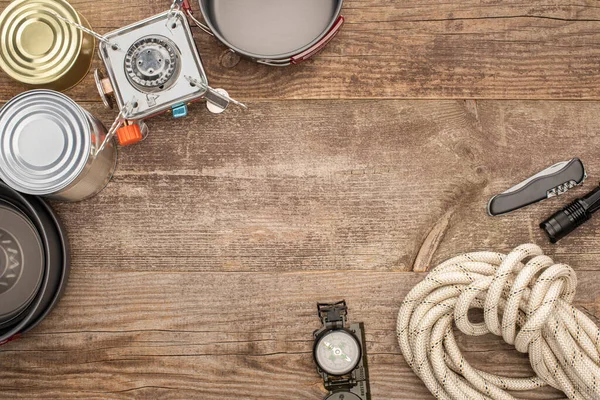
(153, 67)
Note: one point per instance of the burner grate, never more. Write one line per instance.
(152, 63)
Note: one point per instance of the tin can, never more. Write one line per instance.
(50, 146)
(40, 50)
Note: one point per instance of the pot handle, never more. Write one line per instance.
(10, 339)
(272, 63)
(305, 55)
(187, 8)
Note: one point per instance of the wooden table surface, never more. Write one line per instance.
(196, 272)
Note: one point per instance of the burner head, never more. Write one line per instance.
(152, 64)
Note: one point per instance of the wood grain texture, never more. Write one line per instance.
(343, 185)
(402, 49)
(196, 271)
(223, 232)
(213, 337)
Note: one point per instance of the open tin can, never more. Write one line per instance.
(50, 146)
(40, 50)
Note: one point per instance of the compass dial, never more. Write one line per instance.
(337, 352)
(343, 396)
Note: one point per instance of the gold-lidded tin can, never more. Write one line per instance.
(40, 50)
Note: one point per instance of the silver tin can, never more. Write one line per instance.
(49, 147)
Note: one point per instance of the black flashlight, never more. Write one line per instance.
(571, 217)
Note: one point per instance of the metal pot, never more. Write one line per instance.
(273, 32)
(40, 50)
(32, 230)
(50, 146)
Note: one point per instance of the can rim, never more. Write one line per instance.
(17, 178)
(7, 17)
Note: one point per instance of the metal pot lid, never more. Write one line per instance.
(22, 262)
(45, 142)
(270, 28)
(36, 47)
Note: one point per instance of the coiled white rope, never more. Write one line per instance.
(528, 304)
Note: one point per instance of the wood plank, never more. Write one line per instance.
(399, 49)
(345, 185)
(516, 140)
(196, 272)
(173, 334)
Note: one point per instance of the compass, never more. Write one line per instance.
(337, 352)
(340, 354)
(343, 396)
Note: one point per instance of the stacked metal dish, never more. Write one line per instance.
(34, 262)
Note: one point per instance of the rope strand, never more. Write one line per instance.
(528, 304)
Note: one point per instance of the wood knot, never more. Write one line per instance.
(229, 59)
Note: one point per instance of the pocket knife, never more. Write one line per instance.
(551, 182)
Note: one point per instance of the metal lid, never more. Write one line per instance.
(36, 47)
(45, 142)
(22, 262)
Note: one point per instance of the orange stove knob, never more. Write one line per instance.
(129, 134)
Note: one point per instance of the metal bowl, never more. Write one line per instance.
(274, 32)
(62, 267)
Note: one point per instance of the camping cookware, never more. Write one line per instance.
(41, 50)
(50, 146)
(34, 262)
(273, 32)
(153, 67)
